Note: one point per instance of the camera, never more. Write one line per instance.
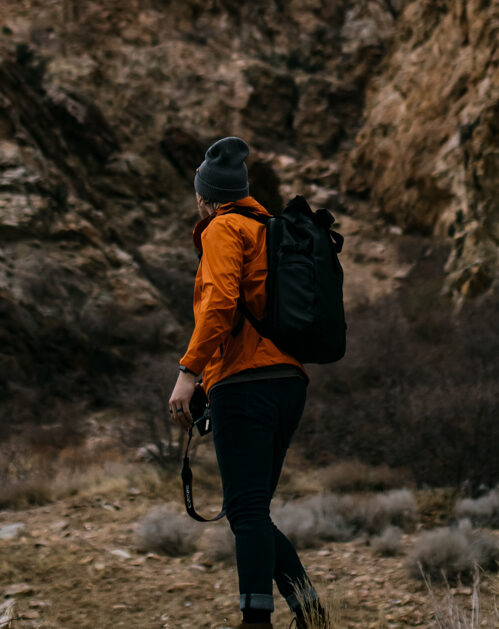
(200, 411)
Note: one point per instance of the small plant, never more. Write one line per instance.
(448, 553)
(218, 543)
(297, 522)
(374, 513)
(317, 614)
(388, 543)
(166, 531)
(347, 476)
(148, 395)
(483, 511)
(334, 517)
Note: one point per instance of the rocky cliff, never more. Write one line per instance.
(385, 111)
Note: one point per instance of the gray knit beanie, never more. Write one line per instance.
(223, 175)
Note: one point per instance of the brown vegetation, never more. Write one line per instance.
(416, 390)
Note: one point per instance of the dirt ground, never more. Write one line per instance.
(76, 564)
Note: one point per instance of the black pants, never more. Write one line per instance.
(253, 423)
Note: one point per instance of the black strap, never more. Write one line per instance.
(241, 306)
(337, 240)
(261, 218)
(187, 483)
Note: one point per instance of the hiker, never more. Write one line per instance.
(256, 392)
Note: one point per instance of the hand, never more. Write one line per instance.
(180, 398)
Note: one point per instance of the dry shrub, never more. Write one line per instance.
(417, 387)
(23, 494)
(297, 522)
(483, 511)
(348, 476)
(333, 517)
(448, 553)
(373, 513)
(107, 478)
(164, 530)
(308, 522)
(389, 542)
(217, 542)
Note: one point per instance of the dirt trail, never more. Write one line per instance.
(82, 569)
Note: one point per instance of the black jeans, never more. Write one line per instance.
(253, 423)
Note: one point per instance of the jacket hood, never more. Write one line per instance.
(247, 202)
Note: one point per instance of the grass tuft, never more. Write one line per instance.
(318, 614)
(450, 614)
(164, 530)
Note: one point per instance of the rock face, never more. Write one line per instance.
(107, 108)
(427, 153)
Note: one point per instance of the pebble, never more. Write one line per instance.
(18, 588)
(60, 525)
(122, 554)
(11, 531)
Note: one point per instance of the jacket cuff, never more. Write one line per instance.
(191, 365)
(187, 370)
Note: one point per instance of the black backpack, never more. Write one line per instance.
(305, 315)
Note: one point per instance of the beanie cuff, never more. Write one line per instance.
(223, 195)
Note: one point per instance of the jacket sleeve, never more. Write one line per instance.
(221, 273)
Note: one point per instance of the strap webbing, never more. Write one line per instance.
(187, 483)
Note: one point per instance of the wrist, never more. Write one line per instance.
(186, 370)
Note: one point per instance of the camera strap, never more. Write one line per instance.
(187, 483)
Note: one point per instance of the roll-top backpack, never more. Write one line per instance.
(304, 315)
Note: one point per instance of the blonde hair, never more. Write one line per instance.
(214, 205)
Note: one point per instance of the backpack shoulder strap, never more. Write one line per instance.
(241, 306)
(249, 214)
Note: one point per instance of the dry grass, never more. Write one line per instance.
(318, 615)
(348, 476)
(106, 478)
(450, 614)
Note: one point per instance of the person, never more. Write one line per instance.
(256, 392)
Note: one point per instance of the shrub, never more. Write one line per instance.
(217, 543)
(450, 552)
(403, 395)
(168, 532)
(483, 511)
(23, 494)
(297, 522)
(357, 476)
(373, 513)
(333, 517)
(388, 543)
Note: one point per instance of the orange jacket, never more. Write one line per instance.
(234, 262)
